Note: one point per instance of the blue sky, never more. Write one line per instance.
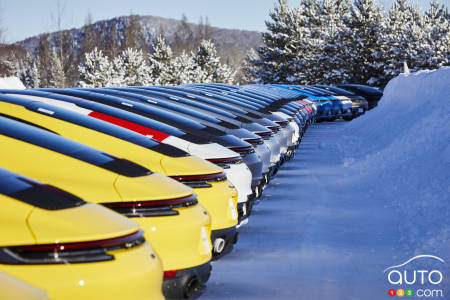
(25, 18)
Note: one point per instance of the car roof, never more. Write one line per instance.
(67, 147)
(91, 123)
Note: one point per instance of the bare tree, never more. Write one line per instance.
(90, 39)
(133, 37)
(43, 54)
(184, 37)
(204, 30)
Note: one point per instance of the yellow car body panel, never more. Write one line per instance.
(135, 273)
(14, 289)
(193, 244)
(13, 228)
(131, 276)
(98, 185)
(84, 219)
(215, 199)
(226, 212)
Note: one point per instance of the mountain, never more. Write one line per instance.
(225, 39)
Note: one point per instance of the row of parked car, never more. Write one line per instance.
(131, 192)
(346, 101)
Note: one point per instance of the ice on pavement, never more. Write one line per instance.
(358, 197)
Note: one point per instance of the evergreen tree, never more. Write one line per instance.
(404, 39)
(436, 37)
(7, 68)
(30, 76)
(95, 71)
(159, 61)
(332, 41)
(365, 25)
(329, 59)
(277, 54)
(248, 73)
(209, 62)
(131, 68)
(182, 70)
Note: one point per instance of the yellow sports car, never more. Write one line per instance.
(69, 248)
(177, 226)
(214, 191)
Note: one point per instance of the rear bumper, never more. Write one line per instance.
(244, 210)
(187, 283)
(359, 110)
(229, 235)
(255, 165)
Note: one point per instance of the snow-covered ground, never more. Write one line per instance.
(11, 83)
(357, 198)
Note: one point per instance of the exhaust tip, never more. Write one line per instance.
(219, 245)
(259, 191)
(192, 287)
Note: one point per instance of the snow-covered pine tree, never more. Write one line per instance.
(248, 73)
(30, 76)
(329, 57)
(403, 39)
(365, 26)
(56, 74)
(183, 70)
(436, 37)
(159, 61)
(307, 25)
(209, 62)
(130, 68)
(95, 71)
(276, 56)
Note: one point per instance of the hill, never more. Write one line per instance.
(227, 40)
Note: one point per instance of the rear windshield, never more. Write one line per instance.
(44, 139)
(337, 90)
(205, 98)
(201, 102)
(161, 103)
(366, 89)
(141, 109)
(36, 194)
(105, 109)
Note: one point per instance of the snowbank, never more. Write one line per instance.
(401, 151)
(11, 83)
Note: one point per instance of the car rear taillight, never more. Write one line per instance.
(243, 151)
(69, 253)
(170, 274)
(226, 162)
(255, 142)
(201, 181)
(282, 123)
(265, 134)
(274, 129)
(156, 208)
